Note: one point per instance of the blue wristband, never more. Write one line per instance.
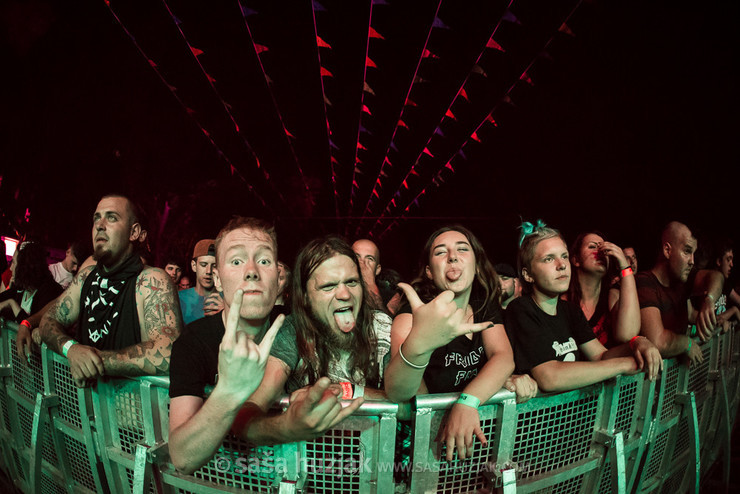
(469, 400)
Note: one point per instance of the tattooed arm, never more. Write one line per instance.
(160, 319)
(63, 313)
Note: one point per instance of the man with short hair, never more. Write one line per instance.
(65, 270)
(631, 256)
(509, 281)
(369, 256)
(173, 269)
(664, 293)
(127, 313)
(202, 264)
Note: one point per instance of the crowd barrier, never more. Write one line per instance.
(623, 435)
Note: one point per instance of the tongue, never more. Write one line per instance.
(345, 320)
(454, 275)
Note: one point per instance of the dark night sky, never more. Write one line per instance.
(630, 123)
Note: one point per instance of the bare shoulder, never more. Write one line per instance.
(153, 280)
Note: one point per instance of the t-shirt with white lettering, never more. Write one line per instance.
(537, 337)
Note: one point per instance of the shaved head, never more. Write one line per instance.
(674, 233)
(678, 246)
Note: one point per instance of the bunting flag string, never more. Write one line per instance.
(173, 90)
(437, 177)
(461, 93)
(196, 53)
(317, 7)
(268, 82)
(414, 79)
(371, 34)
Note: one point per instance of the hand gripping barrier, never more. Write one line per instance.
(623, 435)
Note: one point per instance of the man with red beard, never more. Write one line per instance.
(332, 336)
(664, 293)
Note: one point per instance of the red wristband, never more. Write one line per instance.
(633, 338)
(25, 323)
(347, 390)
(626, 272)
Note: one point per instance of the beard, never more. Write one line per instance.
(336, 340)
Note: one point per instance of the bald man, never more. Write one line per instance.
(664, 292)
(369, 256)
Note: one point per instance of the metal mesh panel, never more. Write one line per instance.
(683, 439)
(28, 379)
(565, 487)
(459, 476)
(48, 451)
(605, 483)
(671, 387)
(129, 419)
(699, 375)
(4, 405)
(333, 462)
(241, 465)
(673, 483)
(555, 436)
(76, 454)
(656, 454)
(25, 418)
(69, 403)
(48, 485)
(20, 465)
(626, 407)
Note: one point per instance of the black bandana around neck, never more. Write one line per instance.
(109, 303)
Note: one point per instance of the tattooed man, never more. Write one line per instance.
(127, 314)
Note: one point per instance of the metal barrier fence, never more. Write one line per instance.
(623, 435)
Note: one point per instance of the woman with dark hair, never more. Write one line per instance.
(33, 285)
(551, 338)
(613, 314)
(450, 337)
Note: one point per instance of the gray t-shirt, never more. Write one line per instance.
(285, 348)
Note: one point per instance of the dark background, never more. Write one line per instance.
(629, 123)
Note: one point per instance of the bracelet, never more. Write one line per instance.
(626, 272)
(405, 361)
(347, 391)
(67, 346)
(710, 296)
(469, 400)
(633, 339)
(693, 330)
(25, 323)
(359, 391)
(689, 348)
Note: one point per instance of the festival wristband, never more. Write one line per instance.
(405, 361)
(633, 339)
(67, 346)
(25, 323)
(693, 330)
(347, 391)
(469, 400)
(689, 348)
(359, 391)
(626, 272)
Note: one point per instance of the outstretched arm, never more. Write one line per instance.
(161, 323)
(668, 343)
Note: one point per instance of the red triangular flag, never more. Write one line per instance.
(288, 133)
(492, 44)
(410, 102)
(426, 151)
(428, 54)
(151, 62)
(525, 77)
(401, 123)
(321, 43)
(565, 29)
(475, 137)
(449, 114)
(260, 48)
(366, 109)
(489, 118)
(210, 79)
(374, 34)
(370, 63)
(464, 93)
(360, 146)
(196, 51)
(326, 73)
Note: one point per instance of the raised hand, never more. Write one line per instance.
(241, 362)
(613, 250)
(315, 409)
(439, 321)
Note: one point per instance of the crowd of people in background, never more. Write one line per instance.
(242, 327)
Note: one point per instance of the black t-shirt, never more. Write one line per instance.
(194, 361)
(453, 366)
(537, 337)
(48, 291)
(671, 301)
